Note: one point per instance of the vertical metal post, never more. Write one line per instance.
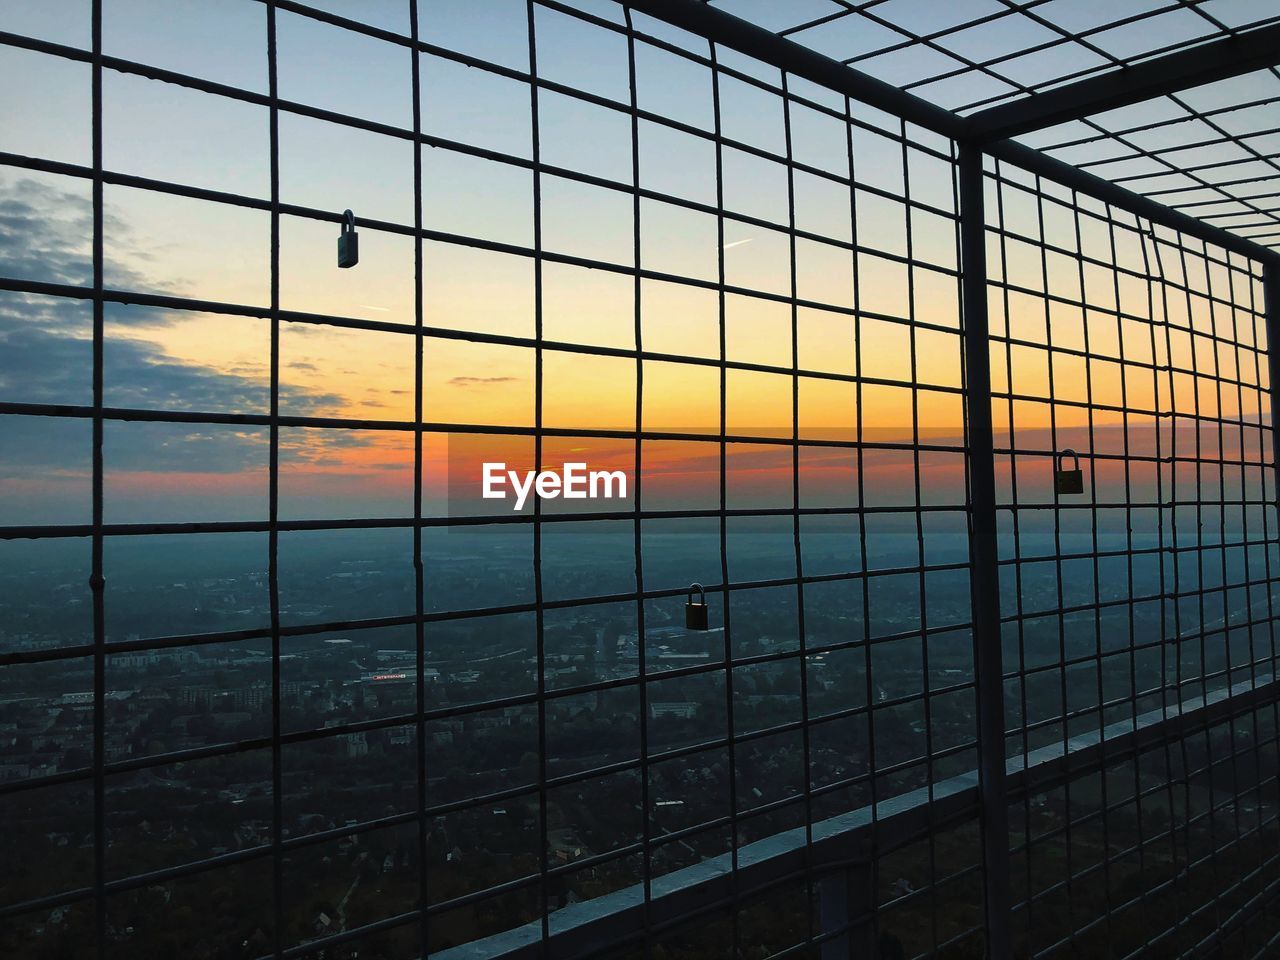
(984, 579)
(1271, 311)
(833, 914)
(273, 501)
(97, 579)
(419, 571)
(1271, 316)
(847, 907)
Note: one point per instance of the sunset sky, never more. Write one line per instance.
(206, 361)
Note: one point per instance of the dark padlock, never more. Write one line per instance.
(695, 612)
(348, 241)
(1067, 481)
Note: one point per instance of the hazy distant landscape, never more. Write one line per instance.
(211, 705)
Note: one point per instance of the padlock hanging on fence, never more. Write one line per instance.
(1067, 481)
(695, 611)
(348, 241)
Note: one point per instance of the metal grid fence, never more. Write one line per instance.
(865, 706)
(1155, 592)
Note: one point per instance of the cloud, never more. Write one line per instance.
(469, 381)
(46, 231)
(46, 357)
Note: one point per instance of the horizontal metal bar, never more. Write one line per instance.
(1217, 60)
(133, 414)
(62, 531)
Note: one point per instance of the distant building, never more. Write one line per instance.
(683, 710)
(389, 688)
(400, 736)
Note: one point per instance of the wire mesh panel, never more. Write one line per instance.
(1170, 849)
(1147, 596)
(278, 679)
(270, 683)
(1203, 151)
(971, 57)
